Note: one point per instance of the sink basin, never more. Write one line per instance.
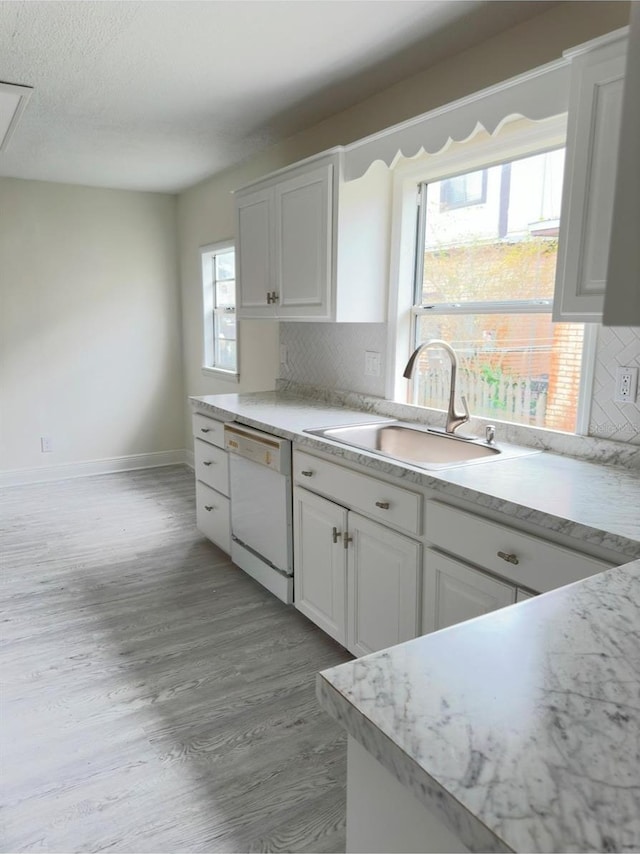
(419, 446)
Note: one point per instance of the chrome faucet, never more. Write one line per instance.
(454, 419)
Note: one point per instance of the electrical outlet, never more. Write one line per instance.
(626, 384)
(46, 444)
(372, 363)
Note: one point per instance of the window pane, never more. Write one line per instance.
(225, 325)
(225, 265)
(511, 367)
(225, 354)
(502, 247)
(226, 294)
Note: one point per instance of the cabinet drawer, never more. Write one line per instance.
(357, 491)
(212, 516)
(208, 429)
(212, 466)
(533, 562)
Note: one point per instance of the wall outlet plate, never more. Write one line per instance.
(626, 384)
(372, 363)
(46, 444)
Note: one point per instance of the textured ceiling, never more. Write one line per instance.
(159, 95)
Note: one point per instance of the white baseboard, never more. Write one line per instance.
(42, 474)
(190, 459)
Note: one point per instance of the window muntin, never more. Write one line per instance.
(485, 274)
(219, 299)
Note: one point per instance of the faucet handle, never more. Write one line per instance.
(465, 407)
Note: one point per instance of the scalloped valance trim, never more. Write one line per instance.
(537, 94)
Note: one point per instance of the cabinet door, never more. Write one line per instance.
(383, 595)
(595, 110)
(454, 592)
(320, 562)
(254, 257)
(303, 218)
(622, 298)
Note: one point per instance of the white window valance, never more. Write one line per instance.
(538, 94)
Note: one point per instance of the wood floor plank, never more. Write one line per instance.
(154, 697)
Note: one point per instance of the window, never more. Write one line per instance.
(219, 302)
(463, 190)
(484, 260)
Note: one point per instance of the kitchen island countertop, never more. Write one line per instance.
(519, 729)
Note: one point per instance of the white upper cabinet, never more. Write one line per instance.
(593, 134)
(254, 222)
(622, 300)
(303, 239)
(312, 247)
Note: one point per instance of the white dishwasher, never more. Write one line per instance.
(261, 525)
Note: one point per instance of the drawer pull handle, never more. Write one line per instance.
(205, 429)
(209, 507)
(347, 539)
(383, 505)
(335, 534)
(308, 473)
(207, 462)
(510, 558)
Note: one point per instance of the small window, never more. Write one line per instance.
(219, 302)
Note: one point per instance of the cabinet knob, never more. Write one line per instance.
(209, 507)
(207, 462)
(335, 534)
(383, 505)
(205, 429)
(510, 558)
(308, 473)
(346, 540)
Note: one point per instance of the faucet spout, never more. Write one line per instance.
(454, 419)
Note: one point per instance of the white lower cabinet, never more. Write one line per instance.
(376, 564)
(454, 592)
(320, 562)
(383, 586)
(356, 579)
(211, 464)
(212, 516)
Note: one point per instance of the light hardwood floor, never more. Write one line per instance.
(154, 698)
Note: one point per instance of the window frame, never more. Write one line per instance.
(523, 138)
(207, 262)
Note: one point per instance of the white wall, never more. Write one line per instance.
(89, 324)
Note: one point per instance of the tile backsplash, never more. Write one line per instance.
(611, 420)
(332, 355)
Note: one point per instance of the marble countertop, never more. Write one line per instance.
(521, 728)
(595, 504)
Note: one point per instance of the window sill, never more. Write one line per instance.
(218, 373)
